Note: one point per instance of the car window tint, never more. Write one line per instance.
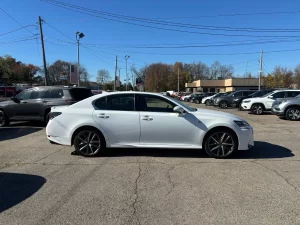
(292, 94)
(154, 104)
(279, 94)
(38, 94)
(101, 103)
(24, 95)
(80, 93)
(56, 93)
(238, 94)
(123, 102)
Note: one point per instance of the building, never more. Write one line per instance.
(233, 84)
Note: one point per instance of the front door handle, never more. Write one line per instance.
(148, 118)
(102, 115)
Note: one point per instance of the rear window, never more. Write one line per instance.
(80, 93)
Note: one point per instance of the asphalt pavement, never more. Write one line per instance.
(41, 183)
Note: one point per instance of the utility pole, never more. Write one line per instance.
(178, 80)
(78, 36)
(43, 50)
(260, 69)
(126, 58)
(116, 68)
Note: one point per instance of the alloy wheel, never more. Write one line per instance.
(88, 143)
(257, 109)
(223, 105)
(220, 144)
(2, 119)
(293, 114)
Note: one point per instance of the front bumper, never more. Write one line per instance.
(245, 106)
(246, 139)
(277, 111)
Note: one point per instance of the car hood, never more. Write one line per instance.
(207, 113)
(6, 102)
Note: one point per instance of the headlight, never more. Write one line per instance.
(242, 124)
(235, 99)
(246, 101)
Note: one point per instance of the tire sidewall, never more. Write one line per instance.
(256, 105)
(287, 112)
(6, 120)
(221, 105)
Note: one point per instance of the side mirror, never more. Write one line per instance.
(178, 109)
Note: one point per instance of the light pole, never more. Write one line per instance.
(126, 58)
(79, 35)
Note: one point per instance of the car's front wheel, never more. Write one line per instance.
(257, 109)
(88, 142)
(223, 104)
(221, 143)
(293, 113)
(4, 121)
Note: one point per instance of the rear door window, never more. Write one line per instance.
(122, 102)
(56, 93)
(292, 94)
(80, 93)
(38, 94)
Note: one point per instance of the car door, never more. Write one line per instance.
(161, 126)
(116, 116)
(37, 103)
(271, 98)
(22, 107)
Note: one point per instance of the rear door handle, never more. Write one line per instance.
(102, 115)
(44, 101)
(148, 118)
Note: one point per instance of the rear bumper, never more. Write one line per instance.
(53, 133)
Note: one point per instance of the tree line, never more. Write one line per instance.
(153, 77)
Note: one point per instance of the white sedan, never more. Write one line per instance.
(143, 120)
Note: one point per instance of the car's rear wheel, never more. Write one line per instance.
(88, 142)
(4, 121)
(221, 143)
(257, 109)
(223, 104)
(293, 113)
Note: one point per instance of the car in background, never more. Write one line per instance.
(163, 93)
(210, 102)
(186, 97)
(146, 120)
(288, 108)
(34, 104)
(261, 104)
(206, 99)
(254, 95)
(198, 97)
(232, 99)
(182, 94)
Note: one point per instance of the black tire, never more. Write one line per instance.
(83, 142)
(197, 101)
(206, 102)
(4, 121)
(240, 107)
(293, 114)
(217, 148)
(47, 118)
(257, 109)
(223, 104)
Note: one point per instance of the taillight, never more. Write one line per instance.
(52, 115)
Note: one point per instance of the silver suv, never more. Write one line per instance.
(288, 108)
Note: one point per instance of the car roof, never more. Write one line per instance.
(57, 87)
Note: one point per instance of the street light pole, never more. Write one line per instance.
(126, 58)
(79, 35)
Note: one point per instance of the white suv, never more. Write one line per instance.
(264, 103)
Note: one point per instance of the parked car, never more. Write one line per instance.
(35, 103)
(254, 95)
(232, 99)
(264, 103)
(197, 98)
(146, 120)
(288, 108)
(211, 101)
(206, 99)
(186, 97)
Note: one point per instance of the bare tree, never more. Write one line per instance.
(103, 76)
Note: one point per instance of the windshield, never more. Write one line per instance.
(182, 104)
(268, 94)
(219, 94)
(229, 93)
(256, 94)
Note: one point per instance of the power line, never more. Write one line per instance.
(16, 21)
(266, 67)
(12, 42)
(62, 5)
(59, 31)
(24, 27)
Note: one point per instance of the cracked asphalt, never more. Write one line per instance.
(41, 183)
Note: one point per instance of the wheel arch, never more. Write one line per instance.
(85, 127)
(211, 130)
(291, 106)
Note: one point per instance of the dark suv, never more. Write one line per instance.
(232, 99)
(34, 104)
